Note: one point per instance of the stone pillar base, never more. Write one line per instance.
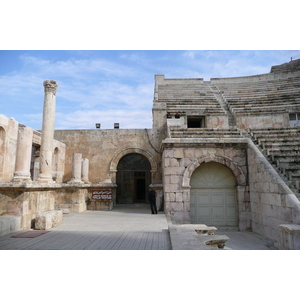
(44, 179)
(48, 220)
(21, 178)
(75, 181)
(78, 208)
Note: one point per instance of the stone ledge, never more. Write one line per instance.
(41, 186)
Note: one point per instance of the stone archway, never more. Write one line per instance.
(238, 173)
(236, 170)
(213, 195)
(115, 160)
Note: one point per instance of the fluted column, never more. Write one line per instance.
(23, 154)
(46, 152)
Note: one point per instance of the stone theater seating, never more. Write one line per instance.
(260, 97)
(282, 147)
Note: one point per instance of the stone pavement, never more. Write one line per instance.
(120, 229)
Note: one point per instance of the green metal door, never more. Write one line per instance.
(213, 196)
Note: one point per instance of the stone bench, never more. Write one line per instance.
(200, 228)
(48, 219)
(289, 238)
(195, 237)
(215, 241)
(9, 224)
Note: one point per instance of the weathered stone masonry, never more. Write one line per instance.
(244, 124)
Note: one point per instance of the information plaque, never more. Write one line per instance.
(102, 194)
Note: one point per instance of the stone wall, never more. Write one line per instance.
(272, 202)
(180, 161)
(26, 203)
(100, 147)
(262, 121)
(211, 121)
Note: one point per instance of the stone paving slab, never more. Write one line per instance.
(119, 229)
(241, 240)
(127, 229)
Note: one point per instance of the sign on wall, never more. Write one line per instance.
(102, 194)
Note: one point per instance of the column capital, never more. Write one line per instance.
(50, 86)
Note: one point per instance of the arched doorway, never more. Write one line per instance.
(133, 179)
(213, 196)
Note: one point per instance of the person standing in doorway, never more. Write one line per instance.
(152, 200)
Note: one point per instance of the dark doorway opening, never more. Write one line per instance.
(133, 178)
(195, 122)
(140, 190)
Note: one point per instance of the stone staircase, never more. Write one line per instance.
(281, 146)
(204, 133)
(222, 101)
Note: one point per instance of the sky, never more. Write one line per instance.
(112, 86)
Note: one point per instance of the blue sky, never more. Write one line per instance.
(112, 86)
(114, 83)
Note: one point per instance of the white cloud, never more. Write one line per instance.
(117, 86)
(83, 69)
(86, 119)
(95, 84)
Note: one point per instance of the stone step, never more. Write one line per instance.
(271, 130)
(288, 155)
(286, 165)
(288, 144)
(293, 160)
(206, 131)
(282, 151)
(276, 140)
(260, 138)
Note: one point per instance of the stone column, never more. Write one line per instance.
(36, 166)
(76, 168)
(23, 154)
(46, 152)
(85, 170)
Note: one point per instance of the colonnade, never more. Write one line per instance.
(24, 146)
